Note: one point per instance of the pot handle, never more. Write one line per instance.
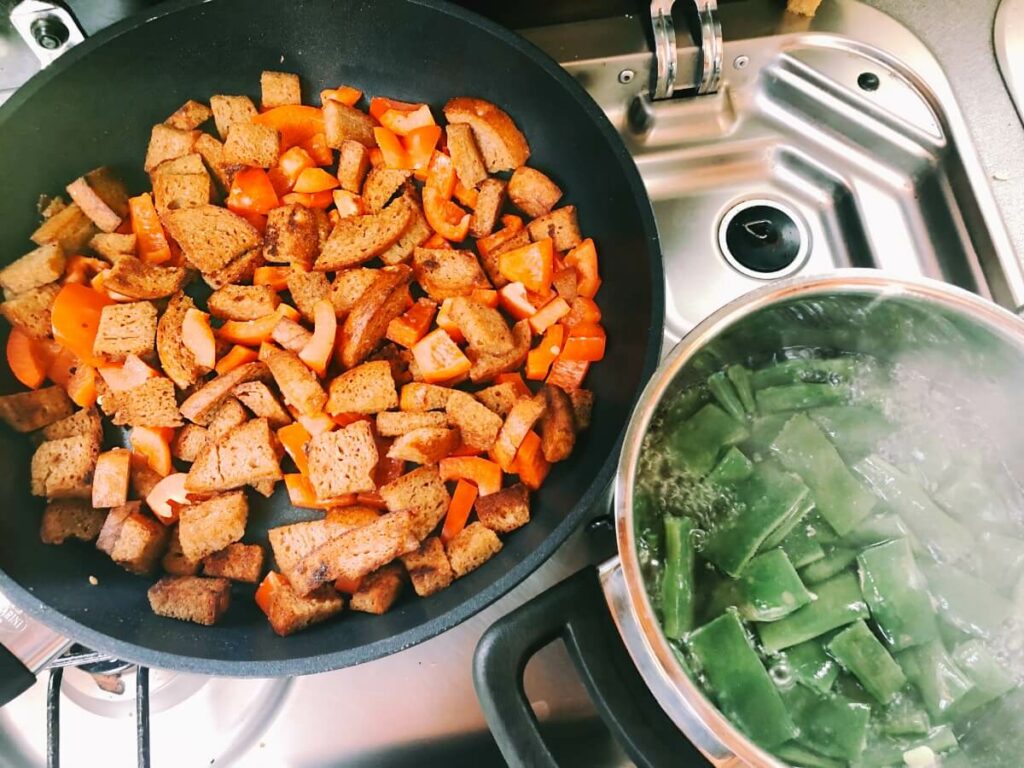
(26, 647)
(576, 612)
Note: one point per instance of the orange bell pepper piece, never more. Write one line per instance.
(320, 200)
(381, 104)
(485, 296)
(444, 216)
(514, 300)
(529, 463)
(403, 121)
(301, 494)
(413, 325)
(167, 497)
(316, 146)
(347, 585)
(343, 94)
(487, 244)
(62, 367)
(150, 240)
(252, 192)
(197, 336)
(316, 423)
(540, 358)
(127, 375)
(568, 374)
(264, 597)
(29, 358)
(419, 145)
(75, 317)
(516, 380)
(439, 358)
(532, 265)
(444, 320)
(313, 180)
(485, 474)
(436, 241)
(289, 167)
(294, 437)
(585, 343)
(387, 469)
(82, 386)
(348, 203)
(583, 258)
(81, 269)
(252, 333)
(376, 158)
(275, 277)
(583, 310)
(549, 314)
(441, 175)
(296, 123)
(465, 195)
(318, 350)
(458, 510)
(154, 445)
(392, 149)
(235, 357)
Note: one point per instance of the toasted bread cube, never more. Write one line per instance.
(229, 111)
(83, 422)
(70, 228)
(483, 327)
(242, 302)
(298, 384)
(150, 404)
(557, 425)
(210, 236)
(307, 288)
(134, 540)
(803, 7)
(63, 468)
(426, 445)
(288, 612)
(348, 287)
(252, 144)
(466, 157)
(565, 282)
(418, 396)
(181, 190)
(501, 143)
(244, 456)
(395, 423)
(201, 405)
(478, 424)
(167, 143)
(110, 478)
(190, 598)
(188, 442)
(489, 202)
(520, 420)
(352, 517)
(379, 590)
(473, 546)
(560, 225)
(258, 398)
(487, 366)
(177, 360)
(582, 406)
(342, 461)
(428, 567)
(353, 163)
(189, 116)
(126, 329)
(36, 268)
(70, 519)
(112, 246)
(293, 543)
(30, 311)
(416, 234)
(399, 358)
(367, 388)
(174, 561)
(238, 562)
(264, 488)
(212, 152)
(357, 239)
(499, 398)
(143, 478)
(141, 280)
(186, 164)
(423, 493)
(292, 236)
(241, 269)
(381, 185)
(491, 260)
(533, 192)
(102, 197)
(230, 415)
(209, 526)
(29, 411)
(505, 510)
(344, 123)
(290, 335)
(445, 273)
(279, 88)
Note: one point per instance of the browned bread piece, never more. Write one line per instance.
(367, 322)
(62, 469)
(229, 415)
(229, 111)
(202, 404)
(342, 461)
(487, 366)
(150, 404)
(36, 268)
(290, 335)
(367, 388)
(110, 478)
(83, 422)
(428, 567)
(186, 164)
(134, 540)
(244, 456)
(353, 163)
(29, 411)
(241, 269)
(477, 423)
(524, 414)
(357, 239)
(288, 612)
(298, 384)
(212, 152)
(426, 445)
(107, 538)
(113, 246)
(803, 7)
(557, 425)
(505, 510)
(533, 192)
(418, 396)
(560, 225)
(279, 88)
(209, 526)
(188, 442)
(348, 287)
(344, 123)
(210, 236)
(126, 329)
(181, 190)
(399, 358)
(144, 478)
(381, 185)
(70, 228)
(466, 157)
(264, 487)
(423, 493)
(355, 516)
(415, 235)
(30, 311)
(445, 273)
(190, 598)
(483, 327)
(242, 302)
(394, 423)
(174, 561)
(582, 405)
(379, 590)
(489, 202)
(499, 398)
(70, 519)
(501, 143)
(238, 562)
(167, 143)
(471, 547)
(50, 206)
(565, 282)
(176, 359)
(307, 288)
(141, 280)
(292, 543)
(189, 116)
(491, 259)
(258, 398)
(292, 236)
(102, 197)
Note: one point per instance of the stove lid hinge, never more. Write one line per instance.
(709, 43)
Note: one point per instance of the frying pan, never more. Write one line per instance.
(96, 105)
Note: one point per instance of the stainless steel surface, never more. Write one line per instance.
(711, 55)
(1009, 43)
(708, 74)
(34, 644)
(665, 64)
(745, 319)
(49, 30)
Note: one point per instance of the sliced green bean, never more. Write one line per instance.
(810, 370)
(839, 603)
(823, 532)
(809, 665)
(860, 653)
(803, 448)
(740, 377)
(677, 582)
(897, 593)
(798, 755)
(771, 588)
(829, 725)
(936, 676)
(726, 395)
(968, 603)
(1001, 559)
(722, 592)
(800, 397)
(877, 529)
(783, 529)
(739, 682)
(905, 717)
(855, 430)
(763, 430)
(991, 680)
(836, 560)
(731, 468)
(992, 737)
(695, 444)
(887, 752)
(801, 546)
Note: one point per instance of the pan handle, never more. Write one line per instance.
(26, 647)
(576, 612)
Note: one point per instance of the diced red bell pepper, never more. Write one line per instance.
(540, 358)
(568, 374)
(530, 265)
(444, 216)
(150, 241)
(252, 192)
(413, 325)
(515, 301)
(583, 258)
(585, 343)
(392, 149)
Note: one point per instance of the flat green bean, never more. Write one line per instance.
(839, 603)
(936, 676)
(896, 591)
(968, 603)
(810, 665)
(855, 430)
(810, 369)
(798, 755)
(887, 752)
(836, 560)
(740, 377)
(800, 397)
(861, 654)
(694, 445)
(677, 582)
(726, 395)
(784, 528)
(731, 468)
(771, 588)
(801, 546)
(1001, 559)
(905, 716)
(829, 725)
(991, 680)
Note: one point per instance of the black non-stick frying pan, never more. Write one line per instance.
(96, 105)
